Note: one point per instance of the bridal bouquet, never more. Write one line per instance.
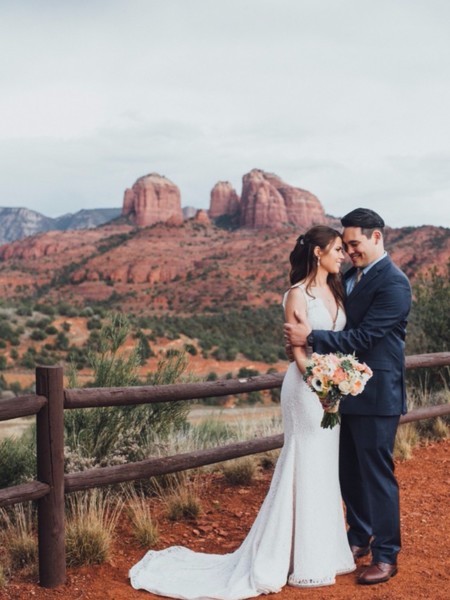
(332, 376)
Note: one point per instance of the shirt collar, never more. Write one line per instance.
(373, 263)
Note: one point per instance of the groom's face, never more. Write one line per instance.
(362, 250)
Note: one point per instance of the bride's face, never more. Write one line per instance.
(333, 257)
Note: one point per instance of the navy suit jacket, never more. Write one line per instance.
(377, 311)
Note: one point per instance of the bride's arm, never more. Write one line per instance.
(296, 303)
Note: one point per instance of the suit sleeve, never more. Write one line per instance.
(388, 310)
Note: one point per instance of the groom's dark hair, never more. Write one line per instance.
(365, 218)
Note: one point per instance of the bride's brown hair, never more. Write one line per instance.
(304, 262)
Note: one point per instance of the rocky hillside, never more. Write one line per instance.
(18, 223)
(178, 269)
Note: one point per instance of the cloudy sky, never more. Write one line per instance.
(348, 99)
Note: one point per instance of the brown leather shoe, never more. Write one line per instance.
(359, 551)
(377, 573)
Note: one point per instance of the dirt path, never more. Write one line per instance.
(424, 563)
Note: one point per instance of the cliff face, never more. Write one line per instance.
(152, 199)
(224, 200)
(267, 201)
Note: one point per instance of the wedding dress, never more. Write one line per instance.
(299, 535)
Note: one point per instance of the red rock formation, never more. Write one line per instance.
(201, 216)
(152, 199)
(224, 200)
(261, 203)
(267, 201)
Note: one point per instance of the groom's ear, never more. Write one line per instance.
(377, 236)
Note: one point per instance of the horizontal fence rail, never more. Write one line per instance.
(96, 397)
(48, 405)
(25, 406)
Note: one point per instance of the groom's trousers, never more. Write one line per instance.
(368, 484)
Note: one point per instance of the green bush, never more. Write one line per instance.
(105, 434)
(17, 460)
(38, 335)
(429, 327)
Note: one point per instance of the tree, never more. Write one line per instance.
(429, 327)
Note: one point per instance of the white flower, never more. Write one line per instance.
(345, 387)
(317, 384)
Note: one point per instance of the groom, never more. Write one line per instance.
(378, 299)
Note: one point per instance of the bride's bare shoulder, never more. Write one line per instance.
(296, 296)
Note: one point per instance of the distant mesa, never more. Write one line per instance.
(224, 200)
(152, 199)
(266, 202)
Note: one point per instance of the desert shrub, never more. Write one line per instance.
(38, 335)
(24, 310)
(7, 332)
(77, 356)
(115, 434)
(28, 359)
(145, 352)
(62, 341)
(240, 471)
(66, 310)
(191, 349)
(94, 323)
(17, 460)
(45, 309)
(3, 362)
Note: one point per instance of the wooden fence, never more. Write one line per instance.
(49, 403)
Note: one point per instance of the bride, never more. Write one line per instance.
(299, 536)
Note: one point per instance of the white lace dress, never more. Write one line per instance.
(299, 535)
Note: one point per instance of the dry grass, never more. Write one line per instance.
(90, 527)
(17, 537)
(240, 471)
(144, 528)
(406, 439)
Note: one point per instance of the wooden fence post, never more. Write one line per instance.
(50, 470)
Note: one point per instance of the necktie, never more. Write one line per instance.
(359, 274)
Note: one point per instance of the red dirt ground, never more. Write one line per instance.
(424, 564)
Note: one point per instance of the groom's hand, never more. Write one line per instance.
(296, 334)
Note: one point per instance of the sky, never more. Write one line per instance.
(348, 99)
